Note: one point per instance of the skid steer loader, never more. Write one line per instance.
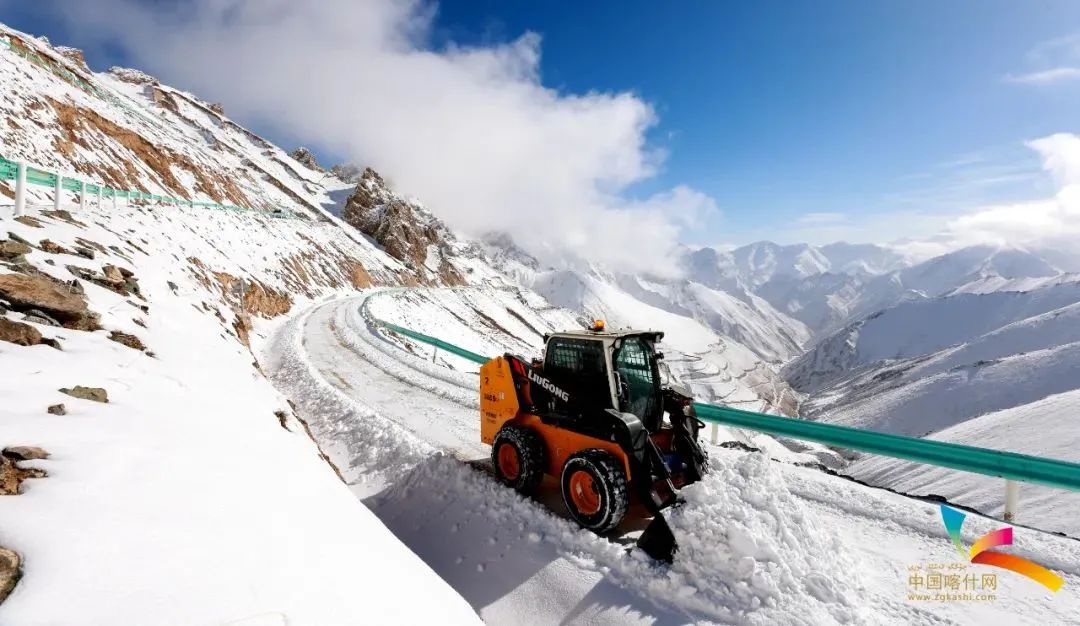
(591, 413)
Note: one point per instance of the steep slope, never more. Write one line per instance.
(922, 327)
(127, 130)
(194, 487)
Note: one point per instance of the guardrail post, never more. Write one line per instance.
(99, 196)
(1012, 499)
(714, 433)
(58, 191)
(114, 199)
(82, 196)
(20, 188)
(435, 355)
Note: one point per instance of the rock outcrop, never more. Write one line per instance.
(306, 158)
(404, 229)
(74, 55)
(60, 301)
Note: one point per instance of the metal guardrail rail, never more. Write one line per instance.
(997, 463)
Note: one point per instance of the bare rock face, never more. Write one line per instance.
(306, 158)
(57, 409)
(217, 108)
(18, 333)
(10, 572)
(58, 300)
(403, 229)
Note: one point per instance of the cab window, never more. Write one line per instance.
(578, 366)
(635, 366)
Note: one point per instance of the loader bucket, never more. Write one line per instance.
(658, 541)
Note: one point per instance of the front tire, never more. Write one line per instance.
(517, 455)
(594, 489)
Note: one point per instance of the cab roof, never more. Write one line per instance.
(655, 335)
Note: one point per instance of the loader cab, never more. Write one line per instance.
(601, 370)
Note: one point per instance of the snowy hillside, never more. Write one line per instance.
(127, 130)
(921, 327)
(1046, 427)
(214, 489)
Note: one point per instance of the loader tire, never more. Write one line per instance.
(517, 455)
(594, 490)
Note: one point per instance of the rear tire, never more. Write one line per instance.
(517, 454)
(594, 490)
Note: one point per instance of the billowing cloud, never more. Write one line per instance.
(1052, 223)
(471, 131)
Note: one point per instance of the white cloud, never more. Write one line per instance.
(470, 130)
(1050, 222)
(1051, 76)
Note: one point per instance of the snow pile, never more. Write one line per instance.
(750, 553)
(748, 545)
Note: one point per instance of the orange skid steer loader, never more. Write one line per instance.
(591, 413)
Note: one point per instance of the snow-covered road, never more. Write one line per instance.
(761, 541)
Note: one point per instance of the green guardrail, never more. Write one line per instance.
(9, 170)
(434, 341)
(1008, 465)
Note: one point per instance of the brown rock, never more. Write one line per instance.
(56, 299)
(53, 248)
(217, 108)
(32, 222)
(84, 252)
(113, 275)
(128, 340)
(57, 409)
(18, 333)
(24, 453)
(95, 394)
(10, 572)
(63, 215)
(11, 475)
(11, 250)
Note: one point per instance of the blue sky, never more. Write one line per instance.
(846, 117)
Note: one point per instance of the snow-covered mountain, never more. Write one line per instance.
(257, 421)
